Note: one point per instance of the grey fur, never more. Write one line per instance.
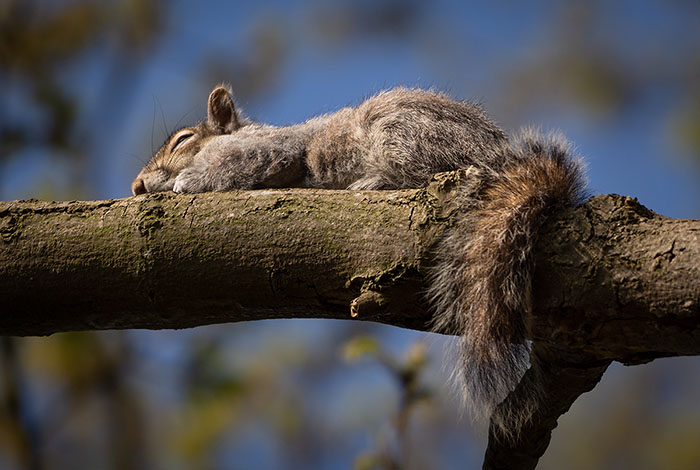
(398, 139)
(481, 281)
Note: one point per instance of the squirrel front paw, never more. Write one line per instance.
(191, 180)
(179, 185)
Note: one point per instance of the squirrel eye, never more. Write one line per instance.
(181, 139)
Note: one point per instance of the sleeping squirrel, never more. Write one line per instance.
(399, 138)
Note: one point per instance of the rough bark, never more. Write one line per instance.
(614, 281)
(177, 261)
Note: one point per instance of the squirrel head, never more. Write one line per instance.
(179, 149)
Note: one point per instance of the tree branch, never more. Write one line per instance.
(561, 378)
(613, 280)
(176, 261)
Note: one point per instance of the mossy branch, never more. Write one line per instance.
(614, 281)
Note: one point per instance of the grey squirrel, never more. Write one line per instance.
(399, 138)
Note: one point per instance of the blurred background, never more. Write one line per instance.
(91, 88)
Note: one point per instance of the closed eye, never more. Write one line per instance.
(182, 138)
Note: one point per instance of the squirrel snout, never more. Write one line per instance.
(138, 187)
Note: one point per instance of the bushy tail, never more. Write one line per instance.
(481, 283)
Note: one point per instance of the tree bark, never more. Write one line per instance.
(613, 280)
(177, 261)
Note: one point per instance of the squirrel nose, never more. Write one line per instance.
(138, 187)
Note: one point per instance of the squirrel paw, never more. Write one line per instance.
(179, 186)
(190, 180)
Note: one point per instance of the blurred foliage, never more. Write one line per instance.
(601, 66)
(229, 396)
(685, 120)
(574, 67)
(259, 67)
(359, 347)
(17, 434)
(359, 20)
(39, 43)
(647, 428)
(394, 449)
(212, 404)
(55, 383)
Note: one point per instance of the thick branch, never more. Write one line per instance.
(176, 261)
(614, 281)
(562, 378)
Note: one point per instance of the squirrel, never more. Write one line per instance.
(479, 287)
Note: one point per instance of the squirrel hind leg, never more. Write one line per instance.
(368, 183)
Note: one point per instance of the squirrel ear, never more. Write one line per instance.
(221, 112)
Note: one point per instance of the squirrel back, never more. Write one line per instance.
(480, 283)
(399, 139)
(396, 139)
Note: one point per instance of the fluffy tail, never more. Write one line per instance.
(481, 284)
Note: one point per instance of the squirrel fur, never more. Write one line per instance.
(399, 138)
